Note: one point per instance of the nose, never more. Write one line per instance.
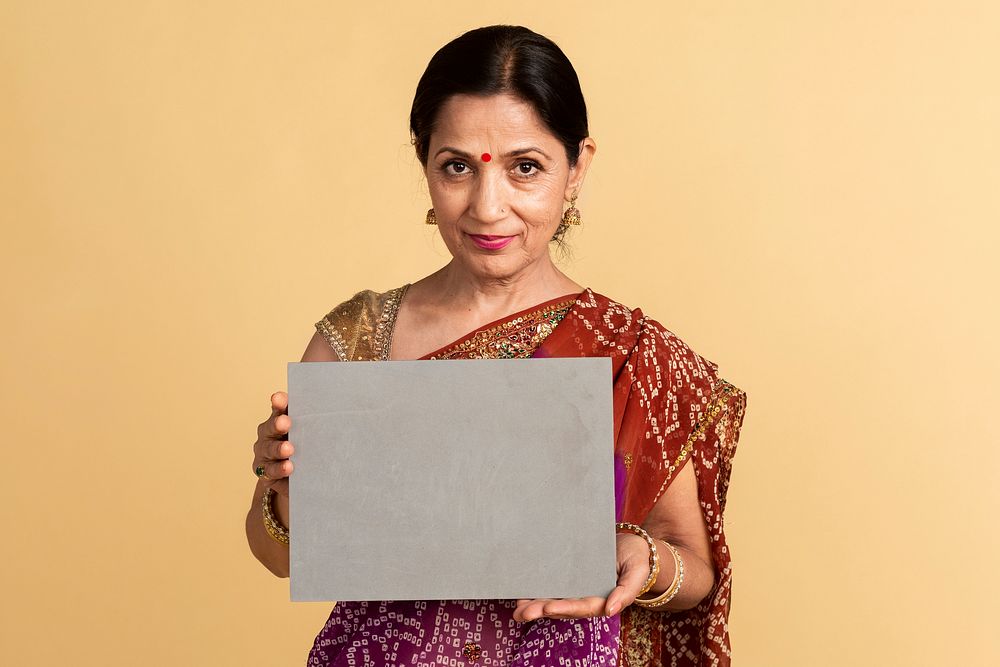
(489, 198)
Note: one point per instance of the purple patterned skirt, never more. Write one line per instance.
(460, 633)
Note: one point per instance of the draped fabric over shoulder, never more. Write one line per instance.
(670, 406)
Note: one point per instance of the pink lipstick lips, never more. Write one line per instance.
(490, 242)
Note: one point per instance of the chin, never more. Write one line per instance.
(497, 267)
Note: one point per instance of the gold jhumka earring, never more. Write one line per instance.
(431, 218)
(572, 214)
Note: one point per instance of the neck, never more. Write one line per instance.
(493, 297)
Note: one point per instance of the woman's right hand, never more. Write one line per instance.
(272, 448)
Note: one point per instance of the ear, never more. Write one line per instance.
(577, 173)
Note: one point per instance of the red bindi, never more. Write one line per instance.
(487, 157)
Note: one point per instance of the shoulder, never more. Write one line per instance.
(710, 406)
(651, 334)
(659, 353)
(678, 352)
(351, 309)
(350, 327)
(696, 380)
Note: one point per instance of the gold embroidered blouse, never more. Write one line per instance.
(361, 329)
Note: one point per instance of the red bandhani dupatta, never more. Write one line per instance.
(669, 405)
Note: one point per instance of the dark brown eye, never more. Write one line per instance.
(460, 167)
(525, 168)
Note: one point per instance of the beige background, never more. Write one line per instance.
(806, 192)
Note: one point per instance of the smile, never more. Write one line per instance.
(490, 242)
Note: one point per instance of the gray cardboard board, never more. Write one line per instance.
(459, 479)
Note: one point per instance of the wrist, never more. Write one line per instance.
(661, 594)
(668, 569)
(279, 505)
(277, 530)
(654, 557)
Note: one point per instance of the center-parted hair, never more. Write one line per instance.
(499, 59)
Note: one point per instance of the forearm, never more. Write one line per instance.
(265, 548)
(699, 577)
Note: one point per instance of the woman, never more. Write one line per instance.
(500, 126)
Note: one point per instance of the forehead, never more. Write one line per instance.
(476, 118)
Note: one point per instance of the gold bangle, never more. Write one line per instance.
(271, 523)
(674, 587)
(654, 557)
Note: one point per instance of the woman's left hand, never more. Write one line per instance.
(633, 570)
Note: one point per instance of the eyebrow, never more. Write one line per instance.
(513, 153)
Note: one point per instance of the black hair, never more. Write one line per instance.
(500, 59)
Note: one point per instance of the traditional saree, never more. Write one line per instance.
(670, 406)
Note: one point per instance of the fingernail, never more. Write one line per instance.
(612, 609)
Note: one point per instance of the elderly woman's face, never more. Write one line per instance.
(498, 179)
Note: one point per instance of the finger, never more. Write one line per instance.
(519, 610)
(280, 486)
(630, 581)
(274, 428)
(574, 607)
(272, 450)
(276, 470)
(277, 450)
(531, 610)
(519, 607)
(282, 424)
(618, 600)
(279, 402)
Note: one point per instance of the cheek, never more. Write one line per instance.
(541, 207)
(447, 196)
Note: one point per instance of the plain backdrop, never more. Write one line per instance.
(805, 192)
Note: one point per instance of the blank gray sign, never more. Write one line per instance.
(459, 479)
